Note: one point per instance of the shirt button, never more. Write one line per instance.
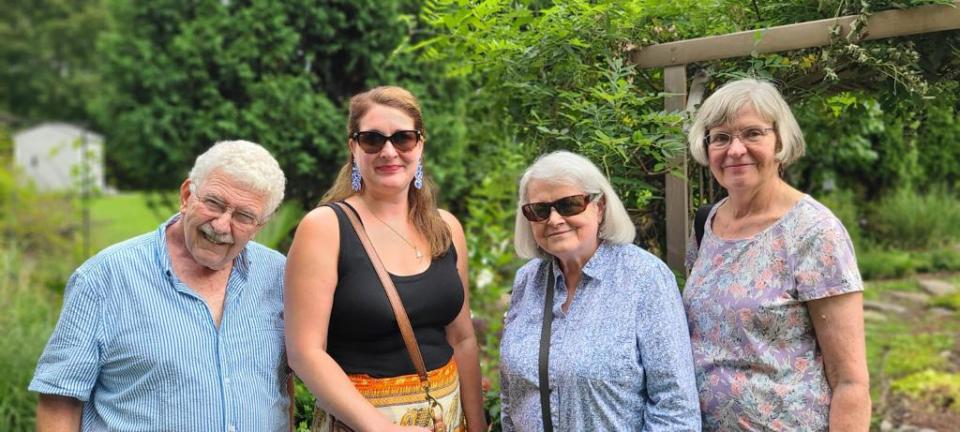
(226, 381)
(231, 428)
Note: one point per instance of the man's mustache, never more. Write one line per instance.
(213, 236)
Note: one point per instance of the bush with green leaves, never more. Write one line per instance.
(29, 313)
(49, 57)
(183, 75)
(558, 77)
(912, 221)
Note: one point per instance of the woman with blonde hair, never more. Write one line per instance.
(343, 338)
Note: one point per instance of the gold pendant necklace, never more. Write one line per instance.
(416, 250)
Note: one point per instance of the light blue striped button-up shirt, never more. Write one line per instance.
(142, 352)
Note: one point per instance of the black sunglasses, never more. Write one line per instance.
(373, 141)
(566, 206)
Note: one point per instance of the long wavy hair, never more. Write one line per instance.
(422, 202)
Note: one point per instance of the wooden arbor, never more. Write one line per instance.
(675, 56)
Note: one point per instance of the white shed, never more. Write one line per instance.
(53, 156)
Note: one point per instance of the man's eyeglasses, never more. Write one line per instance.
(373, 141)
(719, 140)
(242, 218)
(566, 206)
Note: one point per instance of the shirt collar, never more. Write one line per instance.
(596, 266)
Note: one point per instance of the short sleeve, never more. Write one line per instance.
(825, 263)
(70, 363)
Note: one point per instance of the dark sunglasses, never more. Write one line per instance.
(372, 141)
(566, 206)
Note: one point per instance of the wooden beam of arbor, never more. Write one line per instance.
(880, 25)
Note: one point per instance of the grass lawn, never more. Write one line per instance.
(118, 217)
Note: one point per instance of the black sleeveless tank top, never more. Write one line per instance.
(363, 336)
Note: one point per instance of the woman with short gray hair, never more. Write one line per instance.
(774, 297)
(608, 349)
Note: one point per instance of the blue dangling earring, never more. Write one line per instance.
(418, 177)
(355, 178)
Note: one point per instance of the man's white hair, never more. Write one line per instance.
(247, 163)
(563, 167)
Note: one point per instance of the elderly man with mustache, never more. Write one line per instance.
(179, 329)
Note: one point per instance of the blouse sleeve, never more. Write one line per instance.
(664, 343)
(825, 263)
(506, 390)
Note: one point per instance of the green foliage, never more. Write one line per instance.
(44, 226)
(29, 313)
(910, 220)
(305, 403)
(493, 407)
(880, 263)
(276, 233)
(909, 354)
(49, 57)
(875, 289)
(885, 264)
(558, 77)
(939, 137)
(945, 259)
(853, 144)
(934, 389)
(184, 75)
(951, 301)
(489, 231)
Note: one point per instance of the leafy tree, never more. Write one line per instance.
(185, 75)
(49, 57)
(556, 75)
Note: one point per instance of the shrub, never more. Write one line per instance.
(939, 260)
(30, 312)
(885, 264)
(908, 220)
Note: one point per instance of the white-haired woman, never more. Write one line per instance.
(616, 353)
(774, 295)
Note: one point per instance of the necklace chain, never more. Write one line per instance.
(416, 250)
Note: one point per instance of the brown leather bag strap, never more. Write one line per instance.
(409, 339)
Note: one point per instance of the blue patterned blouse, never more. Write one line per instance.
(619, 358)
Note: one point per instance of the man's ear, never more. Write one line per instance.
(185, 194)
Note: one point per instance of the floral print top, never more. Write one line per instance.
(758, 365)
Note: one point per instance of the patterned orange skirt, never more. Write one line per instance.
(402, 400)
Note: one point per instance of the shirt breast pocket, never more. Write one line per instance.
(264, 352)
